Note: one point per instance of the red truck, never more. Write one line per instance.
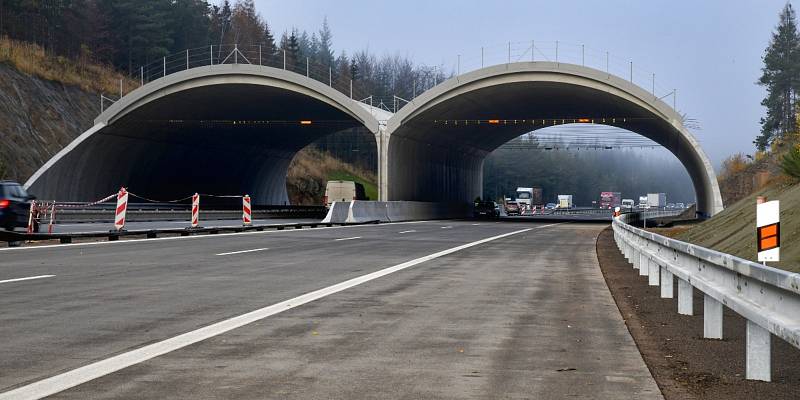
(609, 200)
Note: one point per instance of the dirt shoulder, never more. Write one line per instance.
(685, 365)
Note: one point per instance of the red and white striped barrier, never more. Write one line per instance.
(31, 216)
(195, 210)
(122, 208)
(246, 211)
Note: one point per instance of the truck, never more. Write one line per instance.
(642, 202)
(343, 191)
(565, 201)
(656, 200)
(609, 200)
(528, 197)
(628, 204)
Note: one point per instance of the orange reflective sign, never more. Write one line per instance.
(769, 237)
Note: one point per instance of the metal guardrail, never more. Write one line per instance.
(768, 298)
(15, 238)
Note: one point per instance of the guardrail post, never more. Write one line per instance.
(685, 297)
(758, 353)
(712, 318)
(653, 271)
(643, 266)
(666, 283)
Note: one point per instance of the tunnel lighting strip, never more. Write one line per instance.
(250, 122)
(539, 121)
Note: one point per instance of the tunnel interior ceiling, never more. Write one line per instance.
(518, 105)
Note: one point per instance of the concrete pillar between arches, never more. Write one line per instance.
(758, 353)
(666, 283)
(685, 297)
(712, 318)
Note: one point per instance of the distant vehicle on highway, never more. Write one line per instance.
(15, 204)
(680, 205)
(551, 206)
(656, 200)
(565, 201)
(627, 204)
(512, 208)
(343, 191)
(670, 205)
(609, 200)
(486, 209)
(527, 197)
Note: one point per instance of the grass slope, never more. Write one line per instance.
(310, 171)
(733, 230)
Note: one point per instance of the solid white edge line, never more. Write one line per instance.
(27, 279)
(413, 230)
(50, 246)
(75, 377)
(347, 238)
(242, 251)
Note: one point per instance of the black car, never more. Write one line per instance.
(486, 209)
(15, 205)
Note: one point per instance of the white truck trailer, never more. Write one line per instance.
(565, 201)
(657, 200)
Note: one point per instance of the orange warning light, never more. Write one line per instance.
(584, 120)
(494, 121)
(305, 122)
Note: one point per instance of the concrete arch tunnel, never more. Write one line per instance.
(222, 129)
(432, 152)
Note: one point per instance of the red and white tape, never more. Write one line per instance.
(195, 210)
(122, 209)
(246, 211)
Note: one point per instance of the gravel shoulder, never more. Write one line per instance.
(684, 364)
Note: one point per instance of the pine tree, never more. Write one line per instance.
(325, 44)
(268, 43)
(781, 77)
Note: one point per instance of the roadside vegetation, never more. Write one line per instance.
(33, 60)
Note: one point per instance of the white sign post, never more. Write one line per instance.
(768, 231)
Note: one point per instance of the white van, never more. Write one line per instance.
(343, 191)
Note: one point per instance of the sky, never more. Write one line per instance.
(710, 51)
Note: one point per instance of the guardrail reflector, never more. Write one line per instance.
(768, 231)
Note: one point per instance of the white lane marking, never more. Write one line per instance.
(475, 224)
(347, 238)
(413, 230)
(50, 246)
(27, 279)
(242, 251)
(75, 377)
(447, 227)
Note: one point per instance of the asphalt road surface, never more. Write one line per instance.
(437, 309)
